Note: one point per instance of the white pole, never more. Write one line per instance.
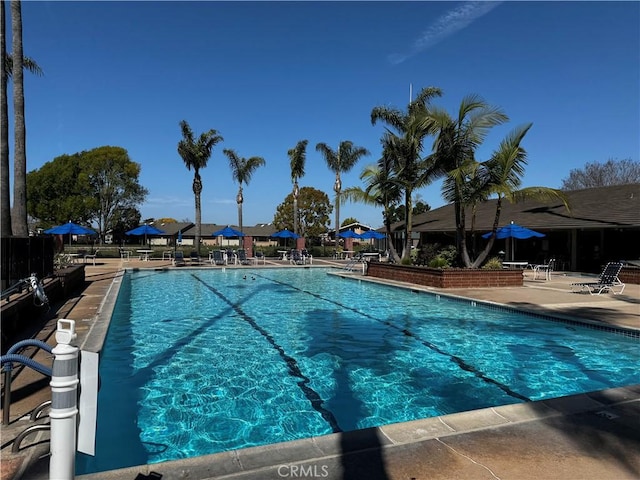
(64, 403)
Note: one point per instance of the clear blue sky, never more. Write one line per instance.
(266, 75)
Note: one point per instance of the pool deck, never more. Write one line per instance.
(587, 436)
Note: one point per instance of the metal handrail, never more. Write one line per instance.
(15, 448)
(39, 409)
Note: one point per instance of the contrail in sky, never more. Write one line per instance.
(451, 22)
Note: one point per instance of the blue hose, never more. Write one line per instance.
(29, 362)
(30, 342)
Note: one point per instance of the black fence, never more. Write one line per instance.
(23, 256)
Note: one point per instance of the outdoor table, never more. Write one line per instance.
(283, 254)
(167, 254)
(522, 265)
(372, 255)
(144, 254)
(348, 253)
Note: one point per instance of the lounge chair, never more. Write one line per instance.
(194, 257)
(217, 258)
(91, 256)
(178, 260)
(295, 257)
(242, 257)
(260, 258)
(607, 282)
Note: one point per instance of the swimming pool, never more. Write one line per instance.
(202, 361)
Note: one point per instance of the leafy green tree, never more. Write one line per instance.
(594, 174)
(196, 155)
(98, 186)
(403, 142)
(297, 159)
(341, 161)
(314, 209)
(349, 221)
(242, 169)
(113, 183)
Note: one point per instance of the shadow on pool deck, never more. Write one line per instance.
(595, 435)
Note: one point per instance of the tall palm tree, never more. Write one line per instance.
(297, 158)
(196, 154)
(5, 197)
(454, 156)
(340, 161)
(502, 176)
(19, 213)
(381, 190)
(6, 68)
(404, 141)
(242, 169)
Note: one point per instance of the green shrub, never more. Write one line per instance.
(439, 262)
(494, 263)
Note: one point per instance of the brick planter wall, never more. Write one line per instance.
(448, 277)
(630, 274)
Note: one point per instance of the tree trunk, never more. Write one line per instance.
(296, 192)
(408, 214)
(5, 196)
(19, 214)
(487, 249)
(197, 190)
(337, 187)
(239, 200)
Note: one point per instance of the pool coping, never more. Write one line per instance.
(264, 460)
(267, 461)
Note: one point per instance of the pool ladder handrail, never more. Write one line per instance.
(35, 415)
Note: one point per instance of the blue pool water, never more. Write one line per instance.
(202, 361)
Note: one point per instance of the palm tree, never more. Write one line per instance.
(19, 213)
(404, 142)
(297, 157)
(242, 169)
(503, 176)
(196, 154)
(381, 190)
(341, 161)
(7, 70)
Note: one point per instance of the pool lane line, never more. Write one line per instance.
(454, 358)
(294, 370)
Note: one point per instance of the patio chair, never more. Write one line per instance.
(545, 267)
(194, 257)
(260, 258)
(178, 260)
(608, 281)
(216, 258)
(91, 256)
(295, 258)
(242, 257)
(124, 254)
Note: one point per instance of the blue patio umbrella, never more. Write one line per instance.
(145, 230)
(285, 234)
(513, 230)
(372, 234)
(349, 234)
(228, 232)
(70, 228)
(180, 237)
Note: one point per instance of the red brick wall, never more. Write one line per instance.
(630, 274)
(448, 277)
